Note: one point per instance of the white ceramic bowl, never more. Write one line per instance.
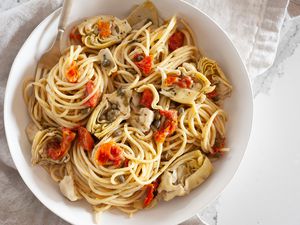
(211, 39)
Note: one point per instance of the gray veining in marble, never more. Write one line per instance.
(210, 214)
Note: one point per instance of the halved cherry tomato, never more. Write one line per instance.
(176, 40)
(72, 73)
(144, 63)
(171, 79)
(104, 28)
(56, 149)
(89, 88)
(85, 139)
(219, 144)
(126, 162)
(109, 153)
(213, 95)
(151, 189)
(147, 98)
(75, 35)
(181, 81)
(168, 127)
(185, 82)
(169, 114)
(67, 137)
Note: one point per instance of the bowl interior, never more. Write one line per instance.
(210, 39)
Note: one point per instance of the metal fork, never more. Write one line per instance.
(52, 55)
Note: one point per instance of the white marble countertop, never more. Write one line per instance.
(266, 188)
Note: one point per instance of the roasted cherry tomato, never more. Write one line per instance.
(147, 98)
(57, 149)
(180, 81)
(213, 95)
(89, 88)
(75, 35)
(144, 63)
(54, 150)
(109, 153)
(168, 127)
(219, 144)
(72, 73)
(151, 193)
(67, 137)
(85, 139)
(171, 79)
(104, 29)
(176, 41)
(126, 162)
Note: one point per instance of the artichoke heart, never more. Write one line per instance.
(103, 31)
(113, 109)
(184, 96)
(214, 73)
(185, 85)
(143, 14)
(31, 130)
(67, 188)
(142, 120)
(43, 140)
(108, 63)
(184, 174)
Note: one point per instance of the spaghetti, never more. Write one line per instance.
(130, 116)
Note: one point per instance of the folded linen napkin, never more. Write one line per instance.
(254, 27)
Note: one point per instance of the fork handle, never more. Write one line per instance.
(66, 8)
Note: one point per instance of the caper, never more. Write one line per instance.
(132, 71)
(118, 133)
(114, 106)
(157, 116)
(164, 155)
(117, 29)
(216, 98)
(96, 31)
(85, 111)
(173, 105)
(181, 110)
(103, 117)
(121, 178)
(156, 123)
(139, 57)
(120, 91)
(113, 114)
(106, 62)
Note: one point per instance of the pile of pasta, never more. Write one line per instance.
(130, 115)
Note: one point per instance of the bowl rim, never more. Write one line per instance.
(55, 14)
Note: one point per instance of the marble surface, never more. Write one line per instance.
(266, 188)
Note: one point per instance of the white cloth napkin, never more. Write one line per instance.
(254, 27)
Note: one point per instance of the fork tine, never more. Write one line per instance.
(51, 57)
